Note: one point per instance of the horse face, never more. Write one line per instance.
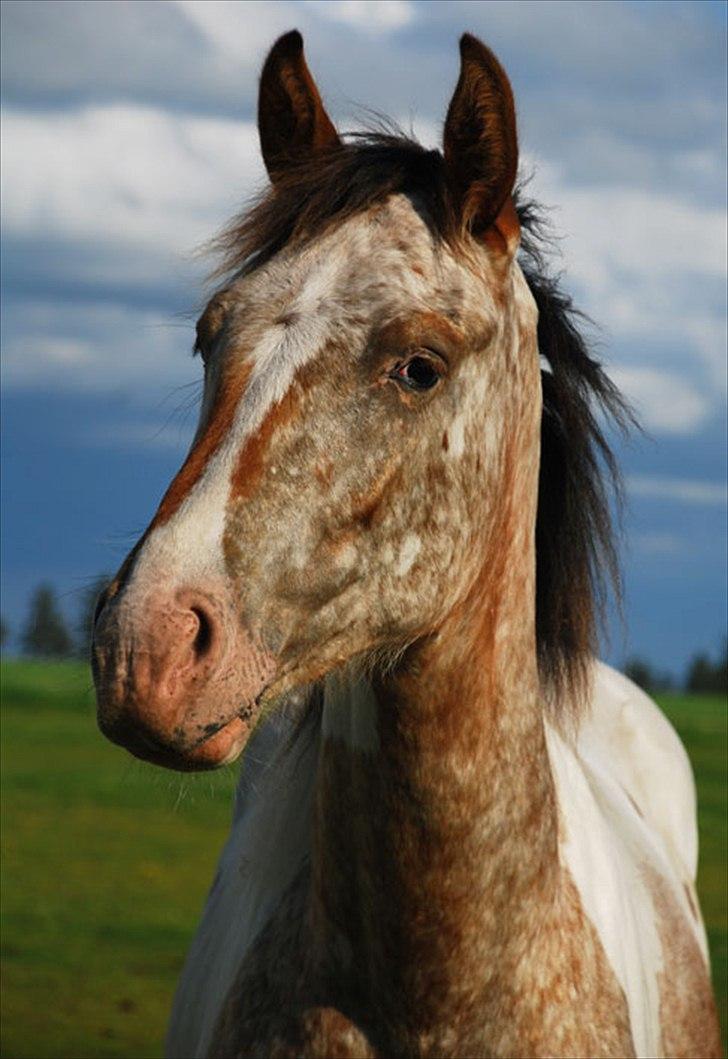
(340, 496)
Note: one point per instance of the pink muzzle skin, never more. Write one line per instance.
(177, 677)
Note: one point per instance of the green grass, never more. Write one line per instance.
(702, 723)
(106, 863)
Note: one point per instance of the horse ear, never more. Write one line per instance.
(292, 122)
(480, 143)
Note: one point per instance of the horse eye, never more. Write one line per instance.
(417, 373)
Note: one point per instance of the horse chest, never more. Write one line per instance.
(278, 1004)
(282, 1005)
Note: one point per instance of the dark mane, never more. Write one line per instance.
(576, 559)
(576, 554)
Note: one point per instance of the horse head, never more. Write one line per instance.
(368, 430)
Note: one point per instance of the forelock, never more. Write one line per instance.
(318, 193)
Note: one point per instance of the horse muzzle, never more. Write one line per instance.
(177, 677)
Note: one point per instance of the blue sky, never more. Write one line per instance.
(129, 138)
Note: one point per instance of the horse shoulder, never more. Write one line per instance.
(649, 760)
(629, 840)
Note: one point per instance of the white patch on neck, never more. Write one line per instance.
(269, 841)
(601, 842)
(350, 712)
(627, 800)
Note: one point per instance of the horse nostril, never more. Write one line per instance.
(203, 637)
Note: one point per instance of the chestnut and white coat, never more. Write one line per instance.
(436, 850)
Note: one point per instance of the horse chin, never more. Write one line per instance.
(221, 747)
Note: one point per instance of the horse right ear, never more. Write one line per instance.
(480, 142)
(292, 122)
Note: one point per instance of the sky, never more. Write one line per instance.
(128, 139)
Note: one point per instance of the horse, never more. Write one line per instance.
(379, 570)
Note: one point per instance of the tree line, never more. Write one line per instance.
(704, 674)
(46, 632)
(47, 635)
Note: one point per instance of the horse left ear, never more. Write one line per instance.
(480, 143)
(292, 121)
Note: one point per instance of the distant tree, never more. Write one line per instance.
(4, 633)
(641, 672)
(721, 670)
(664, 681)
(700, 672)
(45, 633)
(87, 612)
(647, 677)
(706, 675)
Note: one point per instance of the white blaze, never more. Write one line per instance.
(191, 540)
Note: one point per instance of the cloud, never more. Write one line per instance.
(665, 403)
(372, 16)
(196, 56)
(650, 270)
(136, 160)
(590, 155)
(241, 33)
(681, 490)
(590, 82)
(91, 347)
(127, 175)
(110, 202)
(617, 227)
(592, 68)
(69, 51)
(187, 56)
(621, 44)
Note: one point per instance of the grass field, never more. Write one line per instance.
(106, 863)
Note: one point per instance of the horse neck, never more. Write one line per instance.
(435, 821)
